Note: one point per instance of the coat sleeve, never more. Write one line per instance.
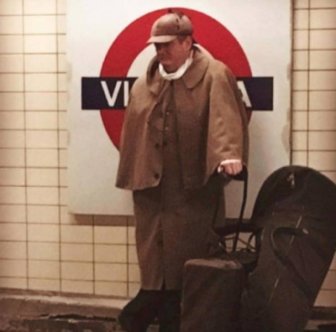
(227, 136)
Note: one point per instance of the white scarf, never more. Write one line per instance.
(179, 72)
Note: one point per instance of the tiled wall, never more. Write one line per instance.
(42, 246)
(314, 98)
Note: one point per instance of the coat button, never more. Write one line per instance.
(156, 176)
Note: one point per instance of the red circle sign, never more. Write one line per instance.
(208, 32)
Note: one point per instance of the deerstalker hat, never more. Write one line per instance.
(169, 26)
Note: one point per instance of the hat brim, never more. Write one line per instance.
(161, 39)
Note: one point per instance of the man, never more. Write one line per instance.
(185, 124)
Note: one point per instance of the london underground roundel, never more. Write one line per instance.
(208, 32)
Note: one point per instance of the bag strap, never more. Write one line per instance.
(298, 279)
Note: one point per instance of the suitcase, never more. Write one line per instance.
(211, 295)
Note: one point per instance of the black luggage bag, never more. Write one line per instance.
(296, 211)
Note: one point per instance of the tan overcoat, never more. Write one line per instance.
(211, 124)
(174, 136)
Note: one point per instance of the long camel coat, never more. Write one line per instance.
(174, 136)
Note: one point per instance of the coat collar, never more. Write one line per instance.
(192, 76)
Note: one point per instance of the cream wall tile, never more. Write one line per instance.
(322, 100)
(13, 232)
(13, 282)
(300, 60)
(326, 298)
(40, 44)
(13, 250)
(131, 235)
(133, 289)
(324, 141)
(11, 7)
(12, 157)
(110, 272)
(40, 7)
(322, 80)
(41, 101)
(42, 158)
(300, 80)
(41, 139)
(13, 268)
(62, 101)
(61, 24)
(11, 101)
(133, 273)
(322, 120)
(299, 140)
(330, 175)
(12, 177)
(300, 40)
(42, 196)
(77, 271)
(63, 155)
(111, 288)
(300, 100)
(12, 120)
(12, 139)
(11, 82)
(301, 18)
(323, 19)
(78, 287)
(322, 4)
(62, 120)
(63, 177)
(76, 234)
(63, 196)
(44, 284)
(300, 158)
(41, 120)
(11, 44)
(323, 39)
(40, 24)
(110, 234)
(301, 3)
(11, 25)
(62, 82)
(13, 213)
(43, 269)
(63, 139)
(61, 44)
(11, 63)
(299, 120)
(43, 233)
(324, 161)
(43, 251)
(12, 195)
(77, 252)
(43, 214)
(62, 63)
(40, 63)
(323, 59)
(110, 253)
(132, 254)
(42, 177)
(41, 82)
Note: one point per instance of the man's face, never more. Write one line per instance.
(173, 54)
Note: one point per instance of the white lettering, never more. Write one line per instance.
(246, 97)
(111, 100)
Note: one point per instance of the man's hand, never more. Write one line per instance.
(230, 167)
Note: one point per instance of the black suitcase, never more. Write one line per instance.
(296, 211)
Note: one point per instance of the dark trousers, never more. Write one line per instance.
(147, 305)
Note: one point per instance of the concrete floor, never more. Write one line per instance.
(33, 312)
